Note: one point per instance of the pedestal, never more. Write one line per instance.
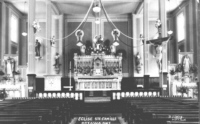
(164, 84)
(31, 85)
(146, 81)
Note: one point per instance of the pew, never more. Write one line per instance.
(40, 111)
(159, 111)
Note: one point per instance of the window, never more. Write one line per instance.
(181, 27)
(14, 28)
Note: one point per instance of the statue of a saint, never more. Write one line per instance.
(186, 64)
(10, 66)
(138, 62)
(37, 48)
(57, 57)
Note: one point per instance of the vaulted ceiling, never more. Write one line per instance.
(80, 7)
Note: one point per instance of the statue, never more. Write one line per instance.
(138, 62)
(37, 48)
(57, 64)
(186, 64)
(158, 43)
(52, 41)
(10, 66)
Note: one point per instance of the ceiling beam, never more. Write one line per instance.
(66, 1)
(55, 9)
(139, 7)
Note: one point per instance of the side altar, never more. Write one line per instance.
(100, 69)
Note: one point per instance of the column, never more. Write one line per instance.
(48, 36)
(22, 56)
(146, 46)
(61, 35)
(163, 76)
(31, 49)
(196, 18)
(3, 29)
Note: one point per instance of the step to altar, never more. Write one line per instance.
(97, 99)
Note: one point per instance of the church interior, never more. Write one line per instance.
(99, 62)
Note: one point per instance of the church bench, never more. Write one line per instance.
(151, 107)
(178, 122)
(161, 115)
(57, 115)
(40, 107)
(23, 120)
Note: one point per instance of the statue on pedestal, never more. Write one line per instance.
(138, 62)
(57, 63)
(37, 48)
(186, 64)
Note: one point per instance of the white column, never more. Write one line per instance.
(146, 36)
(48, 36)
(31, 37)
(3, 33)
(163, 18)
(61, 35)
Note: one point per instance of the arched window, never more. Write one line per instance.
(14, 33)
(181, 27)
(14, 28)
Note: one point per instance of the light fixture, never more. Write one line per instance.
(24, 33)
(97, 7)
(170, 32)
(116, 43)
(79, 35)
(115, 33)
(79, 44)
(97, 21)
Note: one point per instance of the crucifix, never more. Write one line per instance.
(158, 43)
(70, 80)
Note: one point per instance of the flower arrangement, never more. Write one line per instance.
(193, 69)
(183, 89)
(179, 68)
(172, 72)
(36, 26)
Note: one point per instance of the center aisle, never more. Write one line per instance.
(97, 113)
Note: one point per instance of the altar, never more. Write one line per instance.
(98, 72)
(99, 69)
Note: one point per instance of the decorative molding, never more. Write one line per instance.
(65, 1)
(139, 8)
(55, 9)
(14, 10)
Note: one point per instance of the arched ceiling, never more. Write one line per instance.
(80, 7)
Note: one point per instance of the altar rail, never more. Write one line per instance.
(77, 95)
(117, 95)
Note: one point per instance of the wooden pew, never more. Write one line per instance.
(35, 111)
(158, 111)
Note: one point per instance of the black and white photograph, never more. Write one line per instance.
(99, 62)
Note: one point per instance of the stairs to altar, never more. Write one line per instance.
(98, 108)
